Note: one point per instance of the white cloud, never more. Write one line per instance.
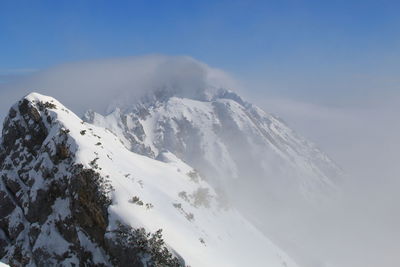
(96, 84)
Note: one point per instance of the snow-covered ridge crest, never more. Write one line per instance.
(227, 139)
(71, 193)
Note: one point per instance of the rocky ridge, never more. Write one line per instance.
(72, 195)
(231, 142)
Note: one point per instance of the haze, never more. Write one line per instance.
(330, 70)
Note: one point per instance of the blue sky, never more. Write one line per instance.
(308, 49)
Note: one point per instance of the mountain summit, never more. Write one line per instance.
(72, 194)
(233, 144)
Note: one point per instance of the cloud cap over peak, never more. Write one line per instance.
(102, 84)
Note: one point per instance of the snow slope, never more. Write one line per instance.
(154, 194)
(232, 143)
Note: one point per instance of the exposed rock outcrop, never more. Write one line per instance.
(53, 210)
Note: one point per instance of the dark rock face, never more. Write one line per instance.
(25, 212)
(30, 122)
(53, 211)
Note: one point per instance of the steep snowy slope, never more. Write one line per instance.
(232, 143)
(71, 193)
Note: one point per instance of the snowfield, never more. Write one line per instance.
(155, 194)
(227, 140)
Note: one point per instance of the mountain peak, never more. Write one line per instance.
(72, 194)
(224, 137)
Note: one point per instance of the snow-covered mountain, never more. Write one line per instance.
(233, 144)
(71, 193)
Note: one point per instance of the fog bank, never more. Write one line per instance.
(358, 229)
(102, 84)
(361, 228)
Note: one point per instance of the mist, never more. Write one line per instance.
(358, 228)
(361, 227)
(103, 84)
